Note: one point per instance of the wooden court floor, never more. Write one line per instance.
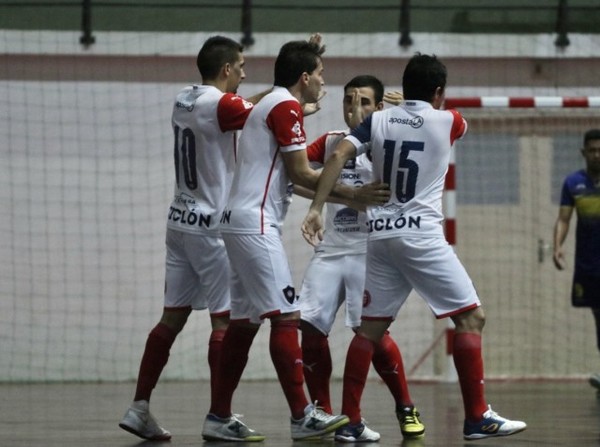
(87, 415)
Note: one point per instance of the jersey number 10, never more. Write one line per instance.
(185, 157)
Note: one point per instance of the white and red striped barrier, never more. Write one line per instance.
(450, 182)
(450, 223)
(523, 102)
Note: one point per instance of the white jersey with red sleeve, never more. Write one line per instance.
(261, 190)
(345, 228)
(204, 122)
(411, 146)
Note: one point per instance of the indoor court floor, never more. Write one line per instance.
(87, 415)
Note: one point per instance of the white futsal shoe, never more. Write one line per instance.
(229, 429)
(139, 421)
(492, 424)
(316, 423)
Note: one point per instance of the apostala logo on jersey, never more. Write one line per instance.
(187, 100)
(415, 122)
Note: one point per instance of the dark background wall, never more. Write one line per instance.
(461, 16)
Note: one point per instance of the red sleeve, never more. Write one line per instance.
(316, 150)
(459, 126)
(286, 121)
(232, 112)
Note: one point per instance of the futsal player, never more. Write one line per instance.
(406, 248)
(272, 155)
(336, 274)
(204, 119)
(581, 193)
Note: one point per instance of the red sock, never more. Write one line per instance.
(469, 366)
(215, 344)
(234, 356)
(387, 361)
(358, 361)
(317, 367)
(156, 355)
(287, 359)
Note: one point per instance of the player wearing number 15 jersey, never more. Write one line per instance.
(406, 249)
(204, 119)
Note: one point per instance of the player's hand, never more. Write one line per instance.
(312, 228)
(395, 97)
(310, 108)
(316, 38)
(559, 259)
(372, 194)
(355, 115)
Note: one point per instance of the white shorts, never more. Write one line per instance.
(328, 281)
(261, 283)
(197, 272)
(395, 266)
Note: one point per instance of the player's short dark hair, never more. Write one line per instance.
(592, 134)
(296, 57)
(216, 52)
(367, 81)
(422, 76)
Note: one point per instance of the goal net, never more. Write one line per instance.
(86, 179)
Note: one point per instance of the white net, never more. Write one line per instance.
(86, 178)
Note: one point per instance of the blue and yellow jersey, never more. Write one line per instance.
(580, 192)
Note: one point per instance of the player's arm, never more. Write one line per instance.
(315, 153)
(300, 173)
(310, 194)
(255, 98)
(303, 176)
(394, 97)
(561, 229)
(312, 227)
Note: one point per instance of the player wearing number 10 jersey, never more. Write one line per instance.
(204, 119)
(406, 249)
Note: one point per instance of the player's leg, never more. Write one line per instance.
(270, 288)
(286, 354)
(441, 280)
(480, 420)
(595, 378)
(385, 291)
(220, 423)
(219, 326)
(387, 361)
(307, 420)
(468, 360)
(316, 358)
(358, 361)
(585, 292)
(320, 299)
(179, 294)
(211, 264)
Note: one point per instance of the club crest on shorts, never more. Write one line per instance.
(290, 294)
(366, 298)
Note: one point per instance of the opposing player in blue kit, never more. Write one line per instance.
(581, 193)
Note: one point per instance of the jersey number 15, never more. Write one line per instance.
(403, 177)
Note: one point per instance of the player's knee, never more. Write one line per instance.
(175, 319)
(470, 321)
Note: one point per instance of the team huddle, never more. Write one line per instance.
(382, 178)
